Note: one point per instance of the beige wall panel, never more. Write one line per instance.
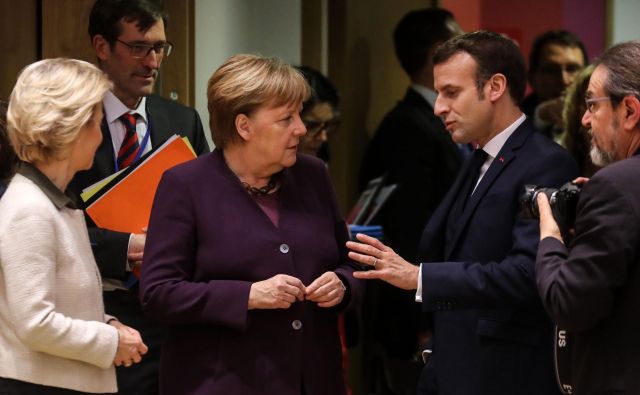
(19, 44)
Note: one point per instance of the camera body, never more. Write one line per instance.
(563, 202)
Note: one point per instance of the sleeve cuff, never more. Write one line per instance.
(419, 288)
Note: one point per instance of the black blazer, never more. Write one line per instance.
(412, 146)
(491, 334)
(167, 118)
(592, 288)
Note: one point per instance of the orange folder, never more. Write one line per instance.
(126, 207)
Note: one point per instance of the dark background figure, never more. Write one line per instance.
(8, 159)
(128, 37)
(591, 285)
(413, 149)
(576, 137)
(246, 256)
(555, 59)
(491, 335)
(320, 114)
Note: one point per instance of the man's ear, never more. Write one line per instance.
(631, 112)
(243, 126)
(101, 47)
(497, 85)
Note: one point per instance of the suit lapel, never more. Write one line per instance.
(159, 122)
(506, 155)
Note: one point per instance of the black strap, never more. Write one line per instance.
(562, 351)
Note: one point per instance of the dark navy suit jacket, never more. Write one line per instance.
(208, 241)
(491, 334)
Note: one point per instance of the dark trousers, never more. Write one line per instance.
(140, 378)
(17, 387)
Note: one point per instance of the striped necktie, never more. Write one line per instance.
(130, 147)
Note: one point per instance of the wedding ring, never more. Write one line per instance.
(375, 261)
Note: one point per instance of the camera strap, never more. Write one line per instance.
(562, 352)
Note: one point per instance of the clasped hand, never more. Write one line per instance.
(281, 291)
(131, 348)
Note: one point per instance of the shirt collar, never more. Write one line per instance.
(114, 108)
(497, 142)
(59, 199)
(428, 94)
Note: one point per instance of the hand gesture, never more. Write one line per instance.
(130, 345)
(277, 292)
(387, 265)
(326, 290)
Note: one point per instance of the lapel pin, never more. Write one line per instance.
(501, 159)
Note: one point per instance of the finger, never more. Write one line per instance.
(333, 302)
(142, 348)
(319, 282)
(289, 298)
(135, 256)
(323, 293)
(543, 207)
(136, 357)
(580, 180)
(144, 230)
(364, 259)
(369, 275)
(294, 292)
(117, 362)
(372, 241)
(296, 282)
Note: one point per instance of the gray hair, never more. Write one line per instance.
(623, 73)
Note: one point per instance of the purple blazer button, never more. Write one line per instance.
(296, 324)
(284, 248)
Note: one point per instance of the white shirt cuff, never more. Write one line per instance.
(419, 289)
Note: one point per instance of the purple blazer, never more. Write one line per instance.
(208, 241)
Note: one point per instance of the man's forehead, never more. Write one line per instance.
(596, 81)
(131, 26)
(455, 70)
(557, 52)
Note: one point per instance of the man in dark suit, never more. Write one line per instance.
(591, 287)
(491, 335)
(413, 148)
(129, 41)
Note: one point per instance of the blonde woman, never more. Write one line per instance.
(55, 338)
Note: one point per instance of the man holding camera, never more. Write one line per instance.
(591, 288)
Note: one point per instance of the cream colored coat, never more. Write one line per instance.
(51, 309)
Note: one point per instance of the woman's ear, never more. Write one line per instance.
(497, 85)
(243, 126)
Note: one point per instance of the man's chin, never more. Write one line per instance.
(601, 158)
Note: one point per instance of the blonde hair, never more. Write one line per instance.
(245, 82)
(51, 101)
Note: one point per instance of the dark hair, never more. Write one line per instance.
(623, 75)
(8, 158)
(322, 91)
(563, 38)
(493, 54)
(106, 15)
(417, 33)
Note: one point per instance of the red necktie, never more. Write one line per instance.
(130, 147)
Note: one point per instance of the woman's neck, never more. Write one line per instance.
(57, 171)
(247, 170)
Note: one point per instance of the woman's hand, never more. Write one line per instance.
(327, 290)
(130, 345)
(277, 292)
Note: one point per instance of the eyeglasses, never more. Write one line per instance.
(139, 51)
(591, 102)
(315, 127)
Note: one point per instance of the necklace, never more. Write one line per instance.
(255, 191)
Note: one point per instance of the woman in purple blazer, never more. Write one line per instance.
(245, 255)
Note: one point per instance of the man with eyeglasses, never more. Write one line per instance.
(128, 37)
(554, 62)
(590, 285)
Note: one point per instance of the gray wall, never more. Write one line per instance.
(227, 27)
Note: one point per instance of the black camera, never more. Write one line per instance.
(563, 201)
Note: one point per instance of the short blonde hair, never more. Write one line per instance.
(245, 82)
(51, 101)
